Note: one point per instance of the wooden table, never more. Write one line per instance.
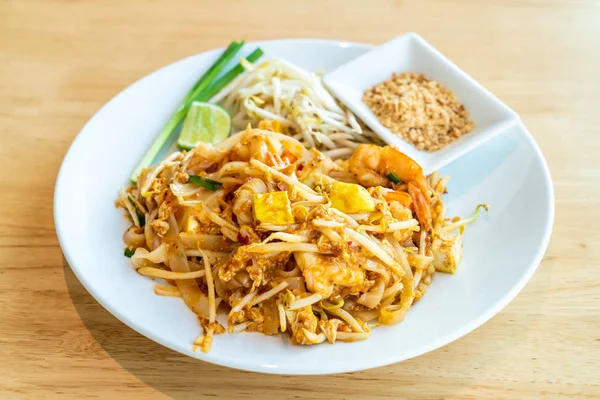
(60, 61)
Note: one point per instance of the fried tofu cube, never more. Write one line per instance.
(351, 198)
(273, 208)
(447, 253)
(190, 222)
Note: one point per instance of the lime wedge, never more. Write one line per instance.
(205, 122)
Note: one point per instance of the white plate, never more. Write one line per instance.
(411, 53)
(501, 251)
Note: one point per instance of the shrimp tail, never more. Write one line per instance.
(421, 203)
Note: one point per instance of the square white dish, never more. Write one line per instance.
(411, 53)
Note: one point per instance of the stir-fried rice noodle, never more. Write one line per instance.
(273, 248)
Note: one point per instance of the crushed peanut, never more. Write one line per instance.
(421, 111)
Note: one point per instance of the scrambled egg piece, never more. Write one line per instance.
(447, 253)
(311, 164)
(329, 328)
(273, 208)
(304, 326)
(351, 198)
(160, 227)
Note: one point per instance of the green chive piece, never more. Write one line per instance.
(205, 183)
(128, 252)
(223, 81)
(394, 178)
(141, 218)
(140, 215)
(210, 75)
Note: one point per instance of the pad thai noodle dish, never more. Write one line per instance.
(298, 224)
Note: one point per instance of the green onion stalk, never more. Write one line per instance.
(203, 90)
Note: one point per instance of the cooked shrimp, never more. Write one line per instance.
(401, 197)
(371, 164)
(271, 148)
(242, 203)
(322, 273)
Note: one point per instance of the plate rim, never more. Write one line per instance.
(286, 370)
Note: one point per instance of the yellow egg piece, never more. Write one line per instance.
(351, 198)
(273, 208)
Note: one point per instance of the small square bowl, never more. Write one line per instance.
(411, 53)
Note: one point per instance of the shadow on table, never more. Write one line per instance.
(183, 377)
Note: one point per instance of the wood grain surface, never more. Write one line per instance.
(61, 60)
